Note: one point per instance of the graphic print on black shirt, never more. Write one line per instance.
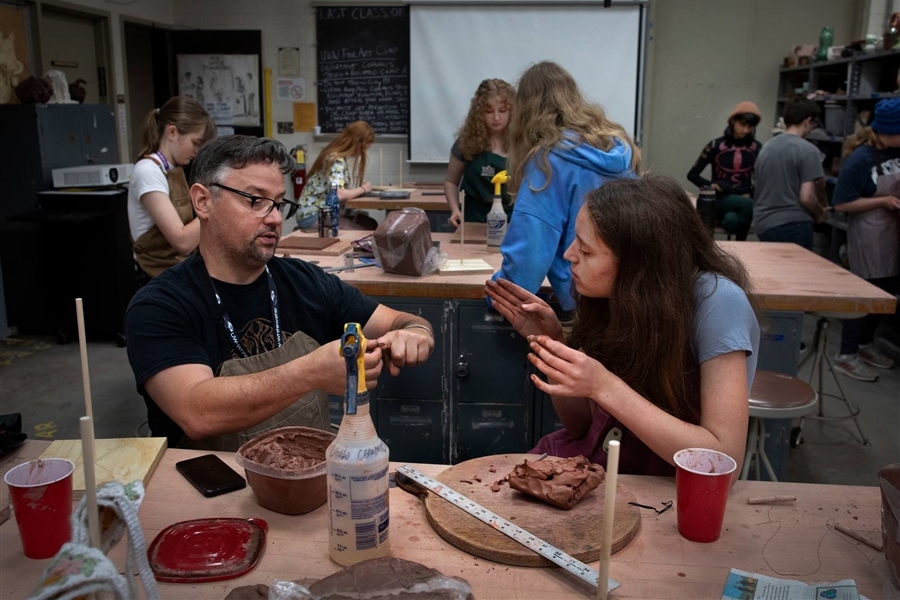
(243, 303)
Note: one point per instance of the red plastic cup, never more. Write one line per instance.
(702, 483)
(41, 493)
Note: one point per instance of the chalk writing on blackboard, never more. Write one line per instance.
(363, 67)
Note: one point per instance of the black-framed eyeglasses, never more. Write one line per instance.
(261, 206)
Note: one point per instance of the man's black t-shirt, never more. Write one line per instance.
(174, 320)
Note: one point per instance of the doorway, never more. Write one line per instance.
(75, 43)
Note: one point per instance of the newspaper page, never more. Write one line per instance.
(752, 586)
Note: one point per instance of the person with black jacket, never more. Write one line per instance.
(732, 158)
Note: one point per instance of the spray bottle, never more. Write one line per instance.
(357, 463)
(496, 218)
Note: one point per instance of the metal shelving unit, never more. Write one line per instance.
(855, 83)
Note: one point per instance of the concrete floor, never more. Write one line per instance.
(42, 380)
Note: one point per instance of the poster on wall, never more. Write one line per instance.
(227, 85)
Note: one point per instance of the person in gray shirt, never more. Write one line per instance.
(790, 182)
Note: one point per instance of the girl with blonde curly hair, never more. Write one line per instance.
(331, 167)
(561, 147)
(479, 152)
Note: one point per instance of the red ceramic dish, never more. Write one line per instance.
(207, 550)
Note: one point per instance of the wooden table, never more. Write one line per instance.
(784, 277)
(793, 541)
(416, 199)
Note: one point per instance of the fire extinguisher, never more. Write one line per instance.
(299, 172)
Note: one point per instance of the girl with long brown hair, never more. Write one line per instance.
(561, 147)
(160, 216)
(331, 168)
(479, 152)
(664, 347)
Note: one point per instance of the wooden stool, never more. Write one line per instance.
(820, 358)
(773, 396)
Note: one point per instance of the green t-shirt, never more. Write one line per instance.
(476, 183)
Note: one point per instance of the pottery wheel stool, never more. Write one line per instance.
(821, 360)
(773, 396)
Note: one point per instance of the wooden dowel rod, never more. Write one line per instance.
(609, 513)
(401, 168)
(82, 345)
(771, 499)
(859, 538)
(90, 483)
(462, 227)
(380, 167)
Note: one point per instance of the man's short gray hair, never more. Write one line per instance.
(222, 154)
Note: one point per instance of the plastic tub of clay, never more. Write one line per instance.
(286, 468)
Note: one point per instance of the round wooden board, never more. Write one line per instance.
(576, 532)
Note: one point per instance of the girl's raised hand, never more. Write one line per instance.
(572, 373)
(527, 313)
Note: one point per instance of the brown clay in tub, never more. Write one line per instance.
(286, 468)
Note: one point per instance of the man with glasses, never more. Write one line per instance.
(790, 181)
(234, 341)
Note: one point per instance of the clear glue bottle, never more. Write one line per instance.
(357, 463)
(496, 218)
(332, 202)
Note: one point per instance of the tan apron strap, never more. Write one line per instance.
(152, 250)
(309, 411)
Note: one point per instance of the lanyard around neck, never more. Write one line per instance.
(229, 326)
(162, 157)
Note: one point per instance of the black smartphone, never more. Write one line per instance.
(210, 475)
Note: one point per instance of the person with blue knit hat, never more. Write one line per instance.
(868, 190)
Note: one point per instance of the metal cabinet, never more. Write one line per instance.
(36, 139)
(494, 394)
(473, 396)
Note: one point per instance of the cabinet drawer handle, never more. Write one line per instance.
(462, 367)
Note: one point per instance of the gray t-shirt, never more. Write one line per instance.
(784, 164)
(724, 322)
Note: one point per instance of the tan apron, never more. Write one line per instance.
(152, 250)
(309, 411)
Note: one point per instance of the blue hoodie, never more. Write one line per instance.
(543, 221)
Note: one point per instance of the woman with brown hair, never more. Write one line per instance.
(479, 153)
(160, 216)
(868, 191)
(561, 148)
(664, 347)
(331, 168)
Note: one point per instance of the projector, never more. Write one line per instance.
(91, 175)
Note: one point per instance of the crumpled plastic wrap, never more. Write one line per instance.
(403, 243)
(379, 578)
(561, 482)
(889, 478)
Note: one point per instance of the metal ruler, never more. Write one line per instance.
(551, 553)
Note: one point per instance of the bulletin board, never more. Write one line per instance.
(225, 84)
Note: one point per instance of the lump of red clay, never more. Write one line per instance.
(561, 482)
(379, 578)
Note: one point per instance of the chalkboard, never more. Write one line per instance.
(363, 67)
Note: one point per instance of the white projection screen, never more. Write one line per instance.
(453, 47)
